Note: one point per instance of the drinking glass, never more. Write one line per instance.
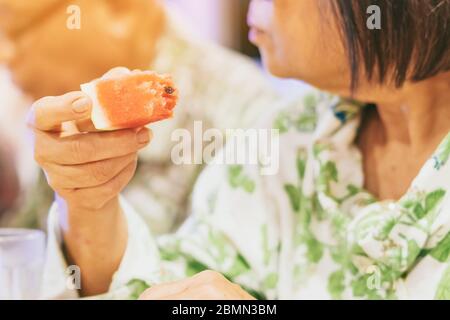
(22, 253)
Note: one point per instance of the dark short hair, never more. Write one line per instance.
(412, 44)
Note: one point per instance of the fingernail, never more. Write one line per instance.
(81, 105)
(143, 136)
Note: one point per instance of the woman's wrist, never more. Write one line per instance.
(77, 216)
(95, 240)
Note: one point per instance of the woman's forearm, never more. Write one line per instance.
(95, 241)
(87, 171)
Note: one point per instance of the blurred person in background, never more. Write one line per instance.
(44, 57)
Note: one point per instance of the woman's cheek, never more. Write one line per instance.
(276, 49)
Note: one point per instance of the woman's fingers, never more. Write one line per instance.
(209, 284)
(47, 114)
(88, 147)
(96, 197)
(86, 167)
(86, 175)
(85, 125)
(204, 292)
(114, 72)
(161, 291)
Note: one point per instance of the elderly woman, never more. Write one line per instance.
(137, 34)
(360, 207)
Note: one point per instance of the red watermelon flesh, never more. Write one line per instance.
(131, 100)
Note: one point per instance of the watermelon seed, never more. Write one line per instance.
(169, 90)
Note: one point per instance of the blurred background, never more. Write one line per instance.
(221, 21)
(43, 52)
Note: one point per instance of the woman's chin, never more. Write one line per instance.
(273, 67)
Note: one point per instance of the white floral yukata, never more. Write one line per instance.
(309, 232)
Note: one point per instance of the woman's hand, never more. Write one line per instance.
(208, 285)
(86, 169)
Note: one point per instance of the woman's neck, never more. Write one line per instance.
(403, 131)
(418, 115)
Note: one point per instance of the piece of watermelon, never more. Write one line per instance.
(131, 99)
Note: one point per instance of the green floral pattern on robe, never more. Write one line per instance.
(312, 231)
